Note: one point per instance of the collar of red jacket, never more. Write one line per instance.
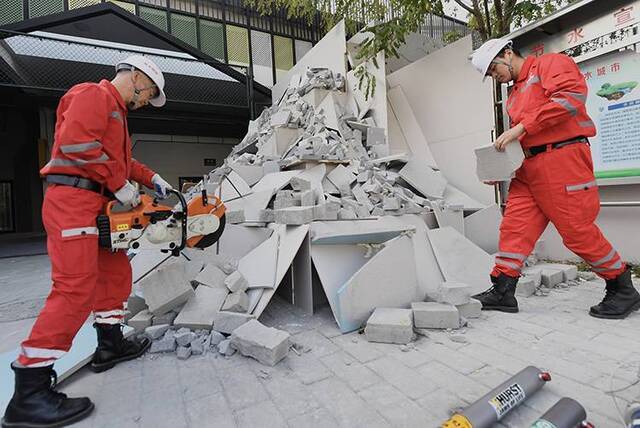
(524, 71)
(113, 91)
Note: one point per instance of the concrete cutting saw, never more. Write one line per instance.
(198, 224)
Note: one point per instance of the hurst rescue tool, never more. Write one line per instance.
(198, 224)
(632, 418)
(566, 413)
(492, 407)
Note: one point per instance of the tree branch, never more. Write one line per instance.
(488, 17)
(497, 4)
(464, 6)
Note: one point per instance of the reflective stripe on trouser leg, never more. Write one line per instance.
(521, 226)
(109, 317)
(74, 269)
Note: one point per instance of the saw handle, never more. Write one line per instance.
(183, 223)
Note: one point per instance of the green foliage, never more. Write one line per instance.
(451, 36)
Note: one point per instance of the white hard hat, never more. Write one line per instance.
(152, 71)
(481, 58)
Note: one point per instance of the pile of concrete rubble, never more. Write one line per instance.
(315, 187)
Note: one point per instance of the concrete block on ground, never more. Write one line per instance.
(266, 216)
(236, 302)
(165, 289)
(183, 352)
(534, 274)
(526, 287)
(390, 325)
(435, 315)
(375, 136)
(307, 198)
(212, 276)
(236, 282)
(200, 310)
(235, 216)
(427, 181)
(341, 176)
(300, 184)
(470, 310)
(167, 318)
(454, 293)
(227, 264)
(569, 272)
(156, 331)
(166, 344)
(551, 277)
(197, 346)
(215, 338)
(294, 215)
(184, 336)
(265, 344)
(493, 165)
(225, 348)
(346, 214)
(136, 304)
(226, 322)
(141, 320)
(326, 211)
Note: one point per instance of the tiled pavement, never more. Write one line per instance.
(345, 381)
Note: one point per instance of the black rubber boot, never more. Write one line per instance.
(500, 297)
(113, 348)
(36, 404)
(620, 299)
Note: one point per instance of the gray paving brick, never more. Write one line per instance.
(408, 381)
(407, 413)
(351, 371)
(455, 360)
(242, 388)
(358, 347)
(442, 376)
(289, 394)
(210, 410)
(317, 344)
(306, 367)
(318, 418)
(264, 414)
(442, 403)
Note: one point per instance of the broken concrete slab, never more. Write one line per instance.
(212, 276)
(493, 165)
(226, 322)
(454, 293)
(259, 266)
(184, 336)
(470, 310)
(449, 217)
(166, 344)
(166, 318)
(390, 325)
(141, 320)
(201, 309)
(371, 286)
(166, 289)
(294, 215)
(156, 331)
(237, 241)
(225, 348)
(551, 277)
(236, 282)
(483, 228)
(274, 181)
(534, 274)
(250, 205)
(454, 196)
(265, 344)
(435, 315)
(341, 176)
(236, 302)
(183, 352)
(460, 260)
(136, 304)
(423, 178)
(374, 231)
(250, 173)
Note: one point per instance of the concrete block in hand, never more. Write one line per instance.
(265, 344)
(141, 320)
(435, 315)
(226, 322)
(236, 302)
(454, 293)
(493, 165)
(472, 309)
(166, 288)
(390, 325)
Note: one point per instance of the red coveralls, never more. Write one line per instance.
(557, 185)
(91, 141)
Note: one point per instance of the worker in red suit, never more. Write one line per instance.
(90, 164)
(556, 182)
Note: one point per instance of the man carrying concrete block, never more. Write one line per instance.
(556, 181)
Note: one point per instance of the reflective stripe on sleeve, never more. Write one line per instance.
(79, 148)
(577, 95)
(567, 105)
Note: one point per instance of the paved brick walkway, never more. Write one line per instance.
(345, 381)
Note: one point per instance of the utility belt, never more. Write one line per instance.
(536, 150)
(80, 183)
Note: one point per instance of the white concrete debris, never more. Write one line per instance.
(390, 325)
(265, 344)
(493, 165)
(319, 177)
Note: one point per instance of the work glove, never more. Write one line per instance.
(128, 195)
(161, 186)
